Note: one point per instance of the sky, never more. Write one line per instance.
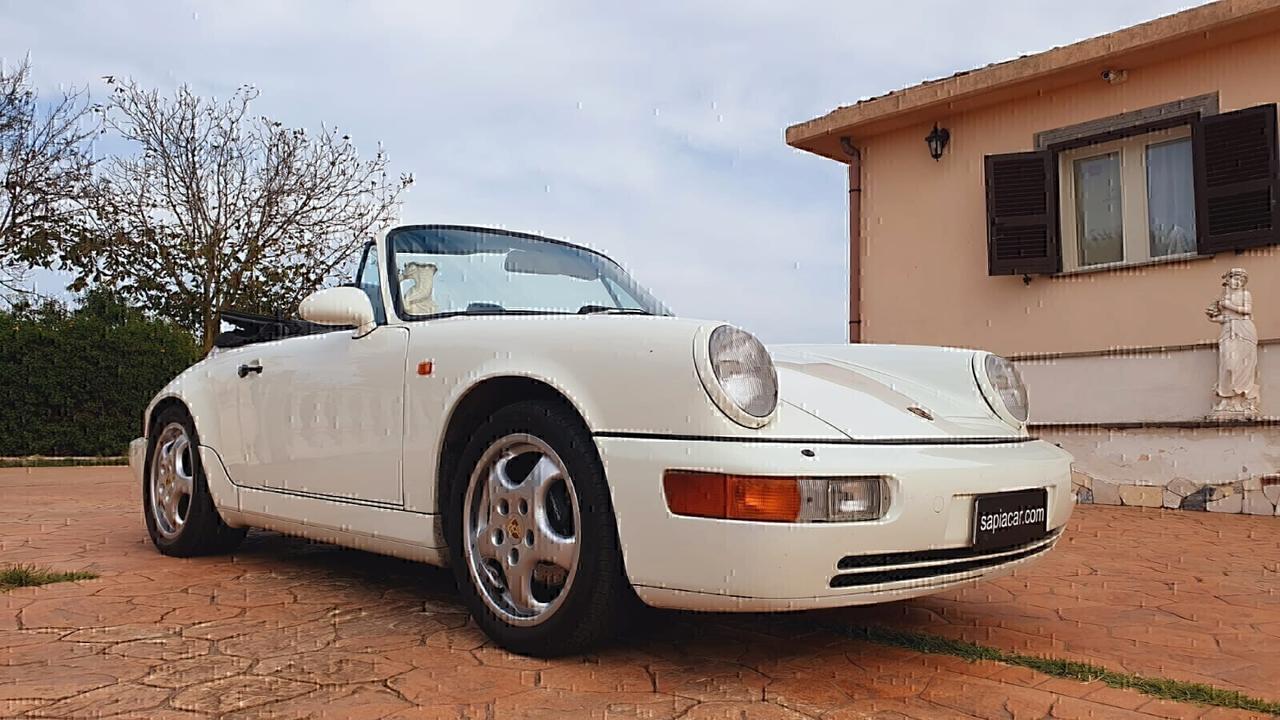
(650, 131)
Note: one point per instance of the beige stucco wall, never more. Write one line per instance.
(924, 261)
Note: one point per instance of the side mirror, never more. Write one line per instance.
(339, 306)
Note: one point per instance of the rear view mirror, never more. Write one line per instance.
(545, 262)
(339, 306)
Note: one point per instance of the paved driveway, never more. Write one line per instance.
(290, 629)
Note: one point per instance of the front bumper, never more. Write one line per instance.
(923, 540)
(137, 457)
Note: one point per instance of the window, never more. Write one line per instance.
(1171, 198)
(369, 280)
(445, 269)
(1099, 209)
(1189, 185)
(1128, 201)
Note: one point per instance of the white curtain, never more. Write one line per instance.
(1171, 211)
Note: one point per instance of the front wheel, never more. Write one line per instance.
(532, 536)
(179, 511)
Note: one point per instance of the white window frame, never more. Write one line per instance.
(1134, 224)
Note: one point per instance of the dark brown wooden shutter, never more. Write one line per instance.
(1237, 167)
(1022, 214)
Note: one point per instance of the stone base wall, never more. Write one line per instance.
(1227, 468)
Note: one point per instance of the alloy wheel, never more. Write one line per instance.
(172, 480)
(520, 529)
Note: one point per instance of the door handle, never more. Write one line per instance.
(246, 369)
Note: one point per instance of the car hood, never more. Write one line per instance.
(868, 392)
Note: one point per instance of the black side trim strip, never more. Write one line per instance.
(339, 499)
(917, 573)
(995, 440)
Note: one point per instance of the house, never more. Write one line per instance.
(1076, 210)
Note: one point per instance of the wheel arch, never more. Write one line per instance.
(160, 405)
(479, 402)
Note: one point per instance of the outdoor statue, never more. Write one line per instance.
(1237, 387)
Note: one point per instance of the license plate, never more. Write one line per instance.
(1011, 518)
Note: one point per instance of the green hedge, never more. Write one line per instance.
(74, 382)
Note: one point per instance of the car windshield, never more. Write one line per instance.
(445, 269)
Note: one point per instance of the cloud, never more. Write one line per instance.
(651, 131)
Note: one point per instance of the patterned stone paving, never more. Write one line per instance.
(289, 629)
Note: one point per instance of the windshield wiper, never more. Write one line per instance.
(592, 309)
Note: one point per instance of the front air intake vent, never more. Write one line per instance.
(885, 568)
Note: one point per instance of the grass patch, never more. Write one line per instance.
(16, 576)
(41, 461)
(1163, 688)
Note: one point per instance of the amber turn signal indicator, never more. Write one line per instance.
(732, 497)
(425, 367)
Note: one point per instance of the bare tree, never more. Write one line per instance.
(219, 209)
(45, 167)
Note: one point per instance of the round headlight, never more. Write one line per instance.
(743, 382)
(1004, 389)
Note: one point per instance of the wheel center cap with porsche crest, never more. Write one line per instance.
(513, 528)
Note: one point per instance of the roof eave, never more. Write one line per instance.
(1209, 25)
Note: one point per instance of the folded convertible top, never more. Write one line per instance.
(251, 328)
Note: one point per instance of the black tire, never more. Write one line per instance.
(595, 603)
(203, 532)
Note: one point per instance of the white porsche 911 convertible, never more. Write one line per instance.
(519, 409)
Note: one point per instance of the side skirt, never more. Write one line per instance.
(384, 530)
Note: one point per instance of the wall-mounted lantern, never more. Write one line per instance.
(938, 140)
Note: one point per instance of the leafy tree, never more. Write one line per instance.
(45, 168)
(76, 381)
(219, 209)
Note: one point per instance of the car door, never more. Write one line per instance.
(324, 414)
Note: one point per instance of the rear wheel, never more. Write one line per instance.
(179, 511)
(532, 536)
